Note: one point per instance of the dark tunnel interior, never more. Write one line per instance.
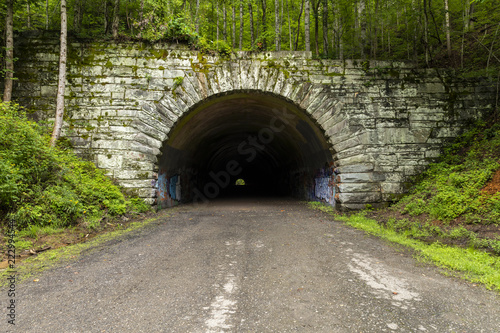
(263, 139)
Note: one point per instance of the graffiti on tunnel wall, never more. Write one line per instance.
(168, 190)
(319, 185)
(324, 185)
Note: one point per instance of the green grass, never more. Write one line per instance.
(471, 264)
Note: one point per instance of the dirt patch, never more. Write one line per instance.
(493, 186)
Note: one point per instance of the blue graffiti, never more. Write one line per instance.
(324, 185)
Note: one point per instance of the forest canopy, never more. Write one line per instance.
(446, 33)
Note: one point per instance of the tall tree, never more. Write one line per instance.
(306, 25)
(47, 15)
(252, 34)
(197, 15)
(426, 34)
(362, 26)
(9, 51)
(315, 7)
(241, 24)
(325, 27)
(375, 31)
(298, 26)
(106, 23)
(77, 15)
(289, 24)
(447, 27)
(234, 26)
(63, 51)
(276, 25)
(217, 15)
(224, 31)
(264, 23)
(116, 18)
(28, 9)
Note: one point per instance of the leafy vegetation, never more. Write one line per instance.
(415, 30)
(43, 187)
(452, 187)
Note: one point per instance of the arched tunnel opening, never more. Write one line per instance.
(265, 140)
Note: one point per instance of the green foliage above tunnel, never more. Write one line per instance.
(44, 186)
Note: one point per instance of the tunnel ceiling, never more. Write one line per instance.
(263, 130)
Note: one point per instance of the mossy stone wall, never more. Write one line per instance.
(385, 121)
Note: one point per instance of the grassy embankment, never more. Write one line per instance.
(54, 197)
(452, 214)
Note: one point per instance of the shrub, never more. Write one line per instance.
(45, 186)
(452, 187)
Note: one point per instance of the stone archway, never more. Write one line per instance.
(266, 139)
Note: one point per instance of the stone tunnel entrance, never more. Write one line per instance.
(264, 139)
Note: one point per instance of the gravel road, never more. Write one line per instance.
(253, 265)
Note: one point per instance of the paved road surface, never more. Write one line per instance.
(251, 266)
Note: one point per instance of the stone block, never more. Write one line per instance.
(356, 168)
(360, 197)
(358, 187)
(109, 161)
(48, 91)
(136, 183)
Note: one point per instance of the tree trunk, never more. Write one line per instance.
(281, 23)
(325, 27)
(252, 36)
(241, 24)
(276, 25)
(362, 27)
(116, 18)
(224, 32)
(28, 9)
(447, 27)
(316, 25)
(491, 49)
(375, 31)
(435, 23)
(234, 27)
(289, 24)
(217, 15)
(47, 15)
(415, 34)
(298, 26)
(76, 15)
(307, 37)
(264, 23)
(56, 133)
(341, 41)
(9, 51)
(471, 14)
(197, 14)
(106, 23)
(426, 34)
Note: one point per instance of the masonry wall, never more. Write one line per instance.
(385, 121)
